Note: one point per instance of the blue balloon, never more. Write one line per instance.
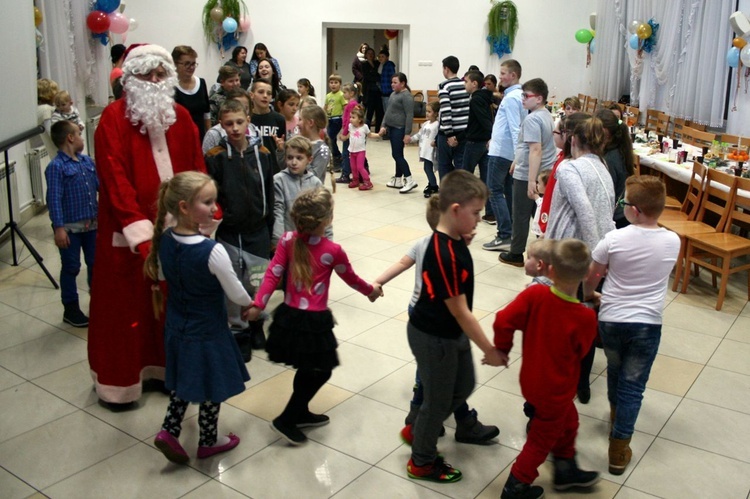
(107, 6)
(592, 45)
(229, 25)
(733, 57)
(634, 41)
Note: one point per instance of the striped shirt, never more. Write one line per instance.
(71, 189)
(454, 107)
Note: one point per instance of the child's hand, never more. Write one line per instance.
(279, 142)
(344, 137)
(432, 144)
(531, 192)
(382, 131)
(62, 240)
(377, 292)
(407, 139)
(495, 358)
(251, 314)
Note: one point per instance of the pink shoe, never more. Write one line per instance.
(353, 184)
(204, 452)
(365, 186)
(170, 447)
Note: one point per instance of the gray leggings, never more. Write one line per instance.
(447, 372)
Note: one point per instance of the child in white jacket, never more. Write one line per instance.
(427, 150)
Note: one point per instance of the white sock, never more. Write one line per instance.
(221, 440)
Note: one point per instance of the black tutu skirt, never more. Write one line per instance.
(302, 339)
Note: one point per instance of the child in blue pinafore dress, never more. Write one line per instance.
(203, 362)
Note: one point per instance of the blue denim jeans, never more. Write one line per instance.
(500, 184)
(449, 158)
(630, 349)
(396, 136)
(475, 153)
(70, 258)
(334, 127)
(346, 167)
(429, 170)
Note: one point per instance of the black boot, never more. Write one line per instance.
(568, 474)
(257, 336)
(242, 338)
(515, 489)
(74, 316)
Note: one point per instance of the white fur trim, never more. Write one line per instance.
(149, 49)
(161, 153)
(125, 394)
(137, 233)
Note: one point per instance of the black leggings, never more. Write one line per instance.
(374, 104)
(307, 382)
(208, 419)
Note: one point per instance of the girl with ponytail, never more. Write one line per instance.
(618, 155)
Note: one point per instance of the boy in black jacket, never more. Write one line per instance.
(479, 129)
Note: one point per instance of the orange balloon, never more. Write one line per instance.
(37, 17)
(739, 42)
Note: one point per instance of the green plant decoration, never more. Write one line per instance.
(502, 21)
(214, 12)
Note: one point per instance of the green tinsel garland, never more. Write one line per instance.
(502, 23)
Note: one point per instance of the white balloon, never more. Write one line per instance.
(634, 26)
(745, 55)
(132, 24)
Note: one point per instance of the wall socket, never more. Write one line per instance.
(424, 63)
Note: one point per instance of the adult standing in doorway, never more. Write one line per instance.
(387, 69)
(260, 52)
(191, 91)
(238, 61)
(454, 118)
(142, 140)
(372, 95)
(359, 58)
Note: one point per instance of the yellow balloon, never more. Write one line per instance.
(644, 31)
(37, 17)
(593, 33)
(739, 42)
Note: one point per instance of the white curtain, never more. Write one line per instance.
(685, 74)
(70, 56)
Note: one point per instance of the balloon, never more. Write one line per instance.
(244, 24)
(583, 36)
(745, 55)
(644, 31)
(107, 6)
(118, 23)
(634, 42)
(737, 42)
(390, 34)
(217, 14)
(633, 28)
(97, 21)
(592, 46)
(229, 25)
(733, 57)
(39, 39)
(37, 17)
(593, 33)
(132, 24)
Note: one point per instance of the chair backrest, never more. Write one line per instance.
(740, 214)
(695, 191)
(636, 164)
(697, 138)
(652, 118)
(662, 124)
(718, 195)
(418, 95)
(696, 126)
(678, 124)
(734, 140)
(432, 95)
(590, 106)
(632, 114)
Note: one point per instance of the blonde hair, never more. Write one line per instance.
(307, 101)
(46, 90)
(460, 186)
(182, 187)
(335, 77)
(311, 208)
(541, 249)
(61, 98)
(432, 214)
(352, 88)
(571, 259)
(316, 114)
(301, 144)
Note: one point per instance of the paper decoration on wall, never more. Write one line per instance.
(224, 21)
(502, 23)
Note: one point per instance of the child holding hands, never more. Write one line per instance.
(557, 333)
(203, 362)
(427, 151)
(301, 334)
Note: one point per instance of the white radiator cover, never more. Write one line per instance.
(38, 159)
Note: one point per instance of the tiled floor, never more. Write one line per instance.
(691, 441)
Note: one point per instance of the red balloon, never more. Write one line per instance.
(390, 34)
(98, 21)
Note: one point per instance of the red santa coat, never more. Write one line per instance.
(125, 341)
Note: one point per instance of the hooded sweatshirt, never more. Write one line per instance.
(286, 187)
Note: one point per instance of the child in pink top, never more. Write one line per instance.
(301, 334)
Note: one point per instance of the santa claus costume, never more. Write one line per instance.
(142, 140)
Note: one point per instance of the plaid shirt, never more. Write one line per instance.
(389, 69)
(71, 189)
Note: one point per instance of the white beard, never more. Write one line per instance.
(150, 104)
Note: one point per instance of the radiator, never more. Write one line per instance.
(91, 125)
(38, 159)
(4, 214)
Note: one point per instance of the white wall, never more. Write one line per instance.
(545, 45)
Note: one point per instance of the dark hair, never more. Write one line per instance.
(537, 86)
(619, 137)
(492, 78)
(275, 82)
(402, 78)
(385, 52)
(236, 52)
(513, 66)
(460, 186)
(474, 67)
(284, 96)
(60, 130)
(265, 81)
(261, 46)
(306, 83)
(435, 106)
(590, 135)
(568, 124)
(231, 106)
(117, 52)
(226, 72)
(451, 62)
(181, 50)
(475, 76)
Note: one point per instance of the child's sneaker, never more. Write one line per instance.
(407, 434)
(365, 186)
(471, 431)
(290, 433)
(438, 471)
(516, 489)
(354, 184)
(74, 316)
(343, 179)
(310, 420)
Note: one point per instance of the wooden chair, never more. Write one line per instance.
(696, 126)
(705, 250)
(590, 106)
(689, 207)
(711, 217)
(678, 124)
(418, 97)
(636, 164)
(697, 138)
(632, 114)
(583, 98)
(662, 124)
(432, 95)
(733, 140)
(652, 119)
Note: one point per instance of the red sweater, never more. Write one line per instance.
(557, 333)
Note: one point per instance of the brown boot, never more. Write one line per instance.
(619, 455)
